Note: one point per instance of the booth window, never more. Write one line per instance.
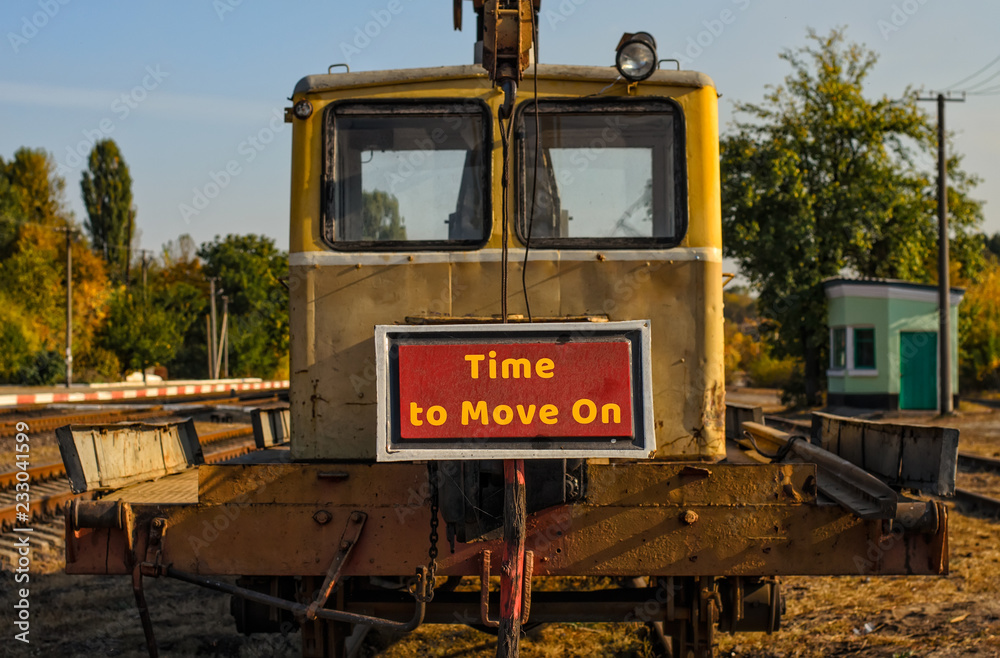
(864, 349)
(838, 348)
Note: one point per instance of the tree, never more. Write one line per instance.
(249, 269)
(36, 187)
(979, 331)
(141, 332)
(380, 217)
(818, 181)
(107, 195)
(993, 244)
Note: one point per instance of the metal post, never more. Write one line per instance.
(213, 372)
(225, 337)
(69, 307)
(220, 348)
(208, 333)
(512, 571)
(944, 306)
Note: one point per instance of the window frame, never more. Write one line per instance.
(603, 106)
(834, 366)
(429, 107)
(854, 341)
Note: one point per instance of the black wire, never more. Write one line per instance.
(968, 78)
(505, 186)
(782, 451)
(534, 179)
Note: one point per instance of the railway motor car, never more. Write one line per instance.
(523, 236)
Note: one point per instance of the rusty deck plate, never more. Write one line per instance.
(648, 518)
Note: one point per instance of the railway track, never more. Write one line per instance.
(50, 491)
(9, 420)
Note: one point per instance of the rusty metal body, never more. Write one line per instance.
(321, 522)
(337, 297)
(748, 520)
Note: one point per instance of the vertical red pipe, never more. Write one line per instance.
(512, 571)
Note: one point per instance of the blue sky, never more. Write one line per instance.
(186, 88)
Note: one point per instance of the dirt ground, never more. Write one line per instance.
(955, 615)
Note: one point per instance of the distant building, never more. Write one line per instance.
(884, 344)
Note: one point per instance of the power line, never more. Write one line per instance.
(964, 80)
(991, 91)
(980, 84)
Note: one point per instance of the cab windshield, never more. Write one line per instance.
(603, 174)
(407, 175)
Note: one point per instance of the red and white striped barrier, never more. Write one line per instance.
(136, 393)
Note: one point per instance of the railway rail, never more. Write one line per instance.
(47, 423)
(51, 490)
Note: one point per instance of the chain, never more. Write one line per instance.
(422, 587)
(432, 552)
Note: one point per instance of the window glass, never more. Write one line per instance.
(607, 172)
(864, 348)
(408, 174)
(838, 348)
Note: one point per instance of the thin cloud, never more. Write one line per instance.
(160, 103)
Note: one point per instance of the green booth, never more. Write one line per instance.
(884, 344)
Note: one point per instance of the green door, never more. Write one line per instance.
(918, 370)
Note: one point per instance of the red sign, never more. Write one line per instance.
(515, 390)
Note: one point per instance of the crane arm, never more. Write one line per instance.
(506, 30)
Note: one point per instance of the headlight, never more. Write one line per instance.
(636, 58)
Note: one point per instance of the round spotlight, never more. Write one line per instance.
(303, 109)
(636, 58)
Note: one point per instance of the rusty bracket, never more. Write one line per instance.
(848, 485)
(347, 541)
(140, 604)
(153, 564)
(484, 590)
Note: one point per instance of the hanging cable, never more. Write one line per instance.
(504, 211)
(973, 76)
(978, 86)
(534, 176)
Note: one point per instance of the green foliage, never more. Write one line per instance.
(818, 180)
(18, 343)
(118, 328)
(979, 332)
(107, 195)
(39, 190)
(770, 372)
(141, 333)
(992, 244)
(380, 217)
(249, 268)
(748, 353)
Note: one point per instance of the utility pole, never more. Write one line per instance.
(944, 287)
(213, 372)
(69, 306)
(128, 247)
(225, 336)
(208, 333)
(222, 344)
(70, 233)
